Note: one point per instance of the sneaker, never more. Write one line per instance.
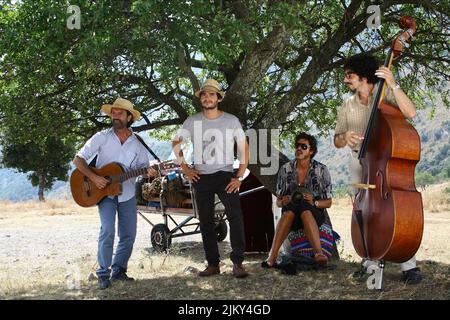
(121, 276)
(412, 276)
(239, 271)
(103, 283)
(209, 271)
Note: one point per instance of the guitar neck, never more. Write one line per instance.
(137, 172)
(128, 175)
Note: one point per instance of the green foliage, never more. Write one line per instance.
(47, 158)
(164, 135)
(342, 191)
(156, 53)
(438, 135)
(424, 179)
(443, 153)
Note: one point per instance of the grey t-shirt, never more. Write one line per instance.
(213, 141)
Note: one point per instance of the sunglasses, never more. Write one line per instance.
(304, 146)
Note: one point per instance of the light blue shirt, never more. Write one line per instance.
(130, 155)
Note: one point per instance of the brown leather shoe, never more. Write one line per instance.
(239, 271)
(209, 271)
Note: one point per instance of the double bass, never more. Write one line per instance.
(387, 219)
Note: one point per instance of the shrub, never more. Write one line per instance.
(438, 135)
(341, 191)
(424, 179)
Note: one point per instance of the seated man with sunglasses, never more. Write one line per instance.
(308, 214)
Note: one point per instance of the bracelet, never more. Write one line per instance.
(397, 86)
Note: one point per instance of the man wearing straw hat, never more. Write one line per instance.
(117, 144)
(214, 134)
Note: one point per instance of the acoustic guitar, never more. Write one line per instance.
(85, 192)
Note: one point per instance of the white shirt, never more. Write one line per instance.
(130, 155)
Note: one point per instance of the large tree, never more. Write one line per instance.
(45, 160)
(279, 61)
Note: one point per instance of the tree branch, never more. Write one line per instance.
(157, 125)
(254, 68)
(154, 92)
(350, 26)
(187, 71)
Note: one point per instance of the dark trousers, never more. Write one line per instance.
(205, 188)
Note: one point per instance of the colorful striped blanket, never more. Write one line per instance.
(301, 246)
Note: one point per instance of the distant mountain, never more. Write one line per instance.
(435, 147)
(435, 157)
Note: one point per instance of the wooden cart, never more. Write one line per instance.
(163, 233)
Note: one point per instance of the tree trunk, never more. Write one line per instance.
(254, 68)
(41, 187)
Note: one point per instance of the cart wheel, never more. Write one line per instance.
(221, 231)
(219, 211)
(160, 237)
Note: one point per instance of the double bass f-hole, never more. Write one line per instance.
(383, 194)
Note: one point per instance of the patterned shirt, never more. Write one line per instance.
(317, 180)
(354, 115)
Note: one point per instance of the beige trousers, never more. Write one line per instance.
(355, 170)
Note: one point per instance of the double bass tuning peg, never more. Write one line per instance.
(404, 43)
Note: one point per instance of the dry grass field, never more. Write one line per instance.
(48, 251)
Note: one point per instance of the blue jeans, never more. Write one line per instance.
(127, 214)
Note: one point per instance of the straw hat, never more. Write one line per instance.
(210, 85)
(121, 104)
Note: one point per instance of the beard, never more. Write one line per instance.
(350, 87)
(118, 124)
(210, 106)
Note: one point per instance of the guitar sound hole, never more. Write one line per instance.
(87, 186)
